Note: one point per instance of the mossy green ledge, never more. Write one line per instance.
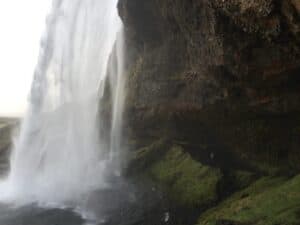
(268, 201)
(186, 182)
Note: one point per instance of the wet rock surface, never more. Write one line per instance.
(222, 74)
(122, 203)
(37, 216)
(218, 80)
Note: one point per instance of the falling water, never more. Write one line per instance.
(60, 153)
(117, 84)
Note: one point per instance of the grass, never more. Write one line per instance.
(269, 201)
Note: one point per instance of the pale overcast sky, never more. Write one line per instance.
(22, 23)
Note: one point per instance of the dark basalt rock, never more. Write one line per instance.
(218, 82)
(221, 74)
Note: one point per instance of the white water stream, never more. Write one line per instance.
(60, 154)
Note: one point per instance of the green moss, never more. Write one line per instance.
(144, 157)
(242, 179)
(269, 201)
(186, 181)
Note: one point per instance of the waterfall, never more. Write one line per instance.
(117, 84)
(60, 153)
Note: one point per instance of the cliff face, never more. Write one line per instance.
(220, 77)
(213, 106)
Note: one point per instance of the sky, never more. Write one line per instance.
(22, 23)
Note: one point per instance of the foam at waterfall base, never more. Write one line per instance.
(122, 203)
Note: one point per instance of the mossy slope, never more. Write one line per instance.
(218, 197)
(186, 181)
(268, 201)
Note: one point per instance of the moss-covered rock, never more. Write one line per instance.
(146, 156)
(185, 181)
(268, 201)
(242, 179)
(234, 197)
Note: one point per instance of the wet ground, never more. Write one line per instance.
(33, 215)
(123, 204)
